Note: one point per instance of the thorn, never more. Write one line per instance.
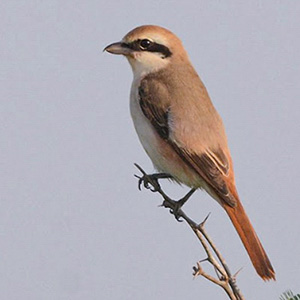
(140, 169)
(204, 221)
(236, 273)
(197, 270)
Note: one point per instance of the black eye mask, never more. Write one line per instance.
(147, 45)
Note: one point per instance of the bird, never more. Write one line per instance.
(180, 129)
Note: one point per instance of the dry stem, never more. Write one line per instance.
(224, 278)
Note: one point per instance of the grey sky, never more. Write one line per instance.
(72, 222)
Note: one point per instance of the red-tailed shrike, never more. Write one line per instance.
(180, 129)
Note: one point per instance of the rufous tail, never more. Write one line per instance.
(251, 241)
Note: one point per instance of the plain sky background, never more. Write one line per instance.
(72, 223)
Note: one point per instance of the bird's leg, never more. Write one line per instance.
(149, 180)
(175, 206)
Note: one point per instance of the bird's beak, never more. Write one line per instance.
(118, 48)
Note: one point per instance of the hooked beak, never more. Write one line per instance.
(118, 48)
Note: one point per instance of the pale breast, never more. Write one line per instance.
(163, 157)
(144, 129)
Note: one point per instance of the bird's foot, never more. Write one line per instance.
(150, 181)
(175, 206)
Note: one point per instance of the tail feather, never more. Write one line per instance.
(251, 241)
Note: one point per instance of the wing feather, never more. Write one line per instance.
(212, 165)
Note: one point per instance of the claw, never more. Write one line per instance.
(139, 182)
(150, 182)
(176, 211)
(176, 215)
(175, 206)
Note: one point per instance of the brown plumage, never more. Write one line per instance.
(218, 175)
(250, 240)
(180, 129)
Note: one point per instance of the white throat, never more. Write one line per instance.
(144, 63)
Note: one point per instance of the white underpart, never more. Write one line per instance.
(151, 141)
(145, 131)
(142, 64)
(152, 144)
(145, 62)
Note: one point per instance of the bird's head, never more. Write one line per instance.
(149, 48)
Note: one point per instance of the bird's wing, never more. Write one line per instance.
(210, 170)
(212, 165)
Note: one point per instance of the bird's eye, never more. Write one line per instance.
(145, 44)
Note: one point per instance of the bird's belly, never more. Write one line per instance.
(163, 156)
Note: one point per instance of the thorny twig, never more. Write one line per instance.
(224, 278)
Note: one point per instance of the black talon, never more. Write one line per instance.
(149, 180)
(139, 182)
(175, 206)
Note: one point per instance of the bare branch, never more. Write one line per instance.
(224, 278)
